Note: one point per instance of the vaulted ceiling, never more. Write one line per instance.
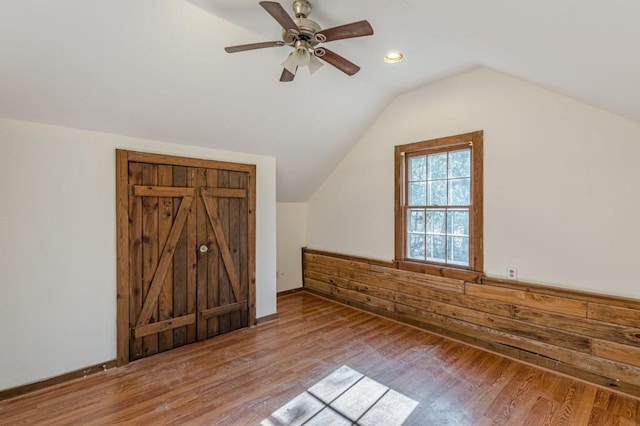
(156, 69)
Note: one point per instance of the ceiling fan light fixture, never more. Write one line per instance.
(301, 57)
(393, 57)
(289, 64)
(314, 64)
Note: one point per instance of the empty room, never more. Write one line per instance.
(319, 212)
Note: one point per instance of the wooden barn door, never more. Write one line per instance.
(186, 245)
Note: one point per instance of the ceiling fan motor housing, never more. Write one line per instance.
(308, 30)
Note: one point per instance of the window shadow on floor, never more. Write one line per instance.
(345, 397)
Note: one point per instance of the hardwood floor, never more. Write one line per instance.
(243, 377)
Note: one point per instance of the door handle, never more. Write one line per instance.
(204, 248)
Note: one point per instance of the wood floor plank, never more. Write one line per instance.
(244, 376)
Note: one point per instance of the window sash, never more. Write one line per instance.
(404, 154)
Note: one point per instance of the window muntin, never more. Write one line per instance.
(439, 200)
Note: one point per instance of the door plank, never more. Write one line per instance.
(164, 326)
(151, 300)
(145, 157)
(225, 309)
(203, 256)
(149, 250)
(244, 251)
(251, 250)
(234, 238)
(212, 283)
(180, 264)
(162, 191)
(122, 236)
(224, 248)
(191, 259)
(135, 258)
(225, 192)
(165, 220)
(225, 290)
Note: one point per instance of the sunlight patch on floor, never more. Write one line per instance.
(345, 397)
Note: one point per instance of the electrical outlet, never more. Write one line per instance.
(512, 273)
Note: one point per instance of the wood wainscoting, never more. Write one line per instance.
(589, 336)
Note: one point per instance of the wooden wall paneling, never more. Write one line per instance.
(213, 281)
(165, 220)
(614, 314)
(149, 250)
(441, 283)
(584, 361)
(135, 262)
(351, 294)
(583, 326)
(616, 351)
(312, 253)
(328, 260)
(534, 300)
(122, 244)
(225, 294)
(413, 294)
(585, 296)
(474, 316)
(191, 260)
(180, 265)
(562, 330)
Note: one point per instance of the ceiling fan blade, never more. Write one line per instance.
(338, 61)
(354, 29)
(287, 75)
(253, 46)
(276, 10)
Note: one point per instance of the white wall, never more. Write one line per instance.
(561, 191)
(58, 245)
(292, 236)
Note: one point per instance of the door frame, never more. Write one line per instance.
(123, 158)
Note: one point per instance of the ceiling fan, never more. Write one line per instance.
(305, 36)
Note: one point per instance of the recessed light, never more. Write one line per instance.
(393, 57)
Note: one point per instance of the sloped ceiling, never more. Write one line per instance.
(156, 69)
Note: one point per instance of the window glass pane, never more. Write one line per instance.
(459, 192)
(458, 250)
(438, 193)
(418, 168)
(436, 248)
(458, 222)
(436, 220)
(417, 194)
(416, 220)
(415, 244)
(460, 164)
(438, 166)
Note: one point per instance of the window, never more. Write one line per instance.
(439, 202)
